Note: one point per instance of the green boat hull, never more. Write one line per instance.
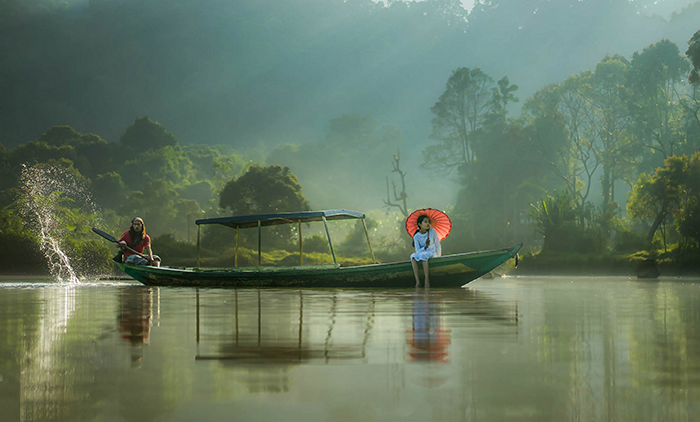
(447, 271)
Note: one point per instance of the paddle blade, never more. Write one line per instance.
(105, 235)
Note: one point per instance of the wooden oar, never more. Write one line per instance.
(114, 240)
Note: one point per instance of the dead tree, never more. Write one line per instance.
(399, 198)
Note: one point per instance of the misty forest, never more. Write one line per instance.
(570, 125)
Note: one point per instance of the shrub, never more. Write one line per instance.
(316, 243)
(173, 251)
(629, 241)
(21, 254)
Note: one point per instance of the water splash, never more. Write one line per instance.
(49, 194)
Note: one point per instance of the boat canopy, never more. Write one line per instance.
(262, 220)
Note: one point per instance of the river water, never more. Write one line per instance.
(517, 348)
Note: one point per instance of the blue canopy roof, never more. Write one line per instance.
(244, 221)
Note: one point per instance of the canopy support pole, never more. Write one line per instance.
(368, 244)
(328, 235)
(235, 262)
(199, 231)
(301, 250)
(259, 243)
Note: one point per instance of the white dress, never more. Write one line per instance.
(419, 241)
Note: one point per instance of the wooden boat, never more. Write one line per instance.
(446, 271)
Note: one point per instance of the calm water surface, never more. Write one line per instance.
(520, 349)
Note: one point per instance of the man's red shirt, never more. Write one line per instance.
(139, 247)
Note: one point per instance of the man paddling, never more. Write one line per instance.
(136, 240)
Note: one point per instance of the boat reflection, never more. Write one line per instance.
(277, 334)
(287, 327)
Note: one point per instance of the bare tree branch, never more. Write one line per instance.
(398, 197)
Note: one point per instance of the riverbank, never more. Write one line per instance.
(668, 264)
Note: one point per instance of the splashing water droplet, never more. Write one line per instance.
(47, 192)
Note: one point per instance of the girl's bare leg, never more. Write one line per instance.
(427, 275)
(414, 264)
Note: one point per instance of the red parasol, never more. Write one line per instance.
(438, 221)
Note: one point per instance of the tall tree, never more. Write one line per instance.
(671, 189)
(693, 53)
(566, 124)
(459, 115)
(169, 163)
(691, 102)
(688, 217)
(579, 119)
(496, 120)
(611, 119)
(653, 87)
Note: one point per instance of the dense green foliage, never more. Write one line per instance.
(672, 191)
(80, 180)
(263, 190)
(614, 124)
(693, 54)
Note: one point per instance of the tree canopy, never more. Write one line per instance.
(693, 54)
(459, 115)
(263, 190)
(673, 188)
(145, 134)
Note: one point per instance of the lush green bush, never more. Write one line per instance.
(174, 252)
(574, 264)
(355, 242)
(20, 255)
(566, 226)
(629, 241)
(316, 243)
